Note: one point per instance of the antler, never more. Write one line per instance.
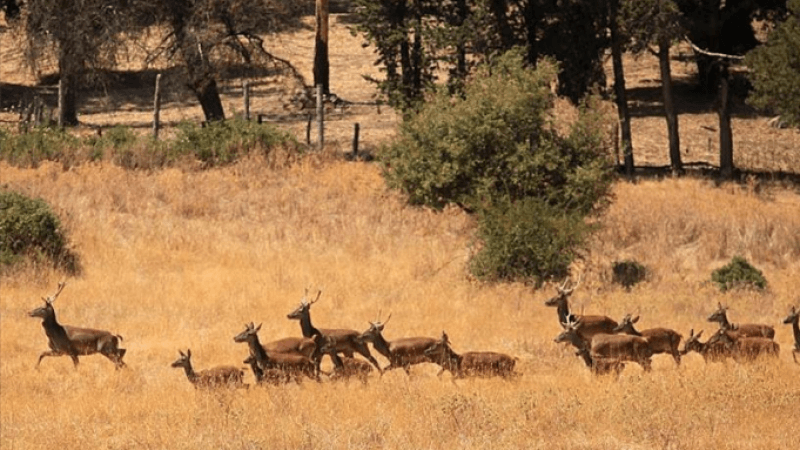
(53, 297)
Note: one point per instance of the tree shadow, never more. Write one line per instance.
(707, 171)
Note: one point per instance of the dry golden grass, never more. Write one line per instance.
(177, 260)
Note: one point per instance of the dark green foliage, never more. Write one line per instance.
(220, 143)
(628, 272)
(526, 239)
(494, 151)
(37, 145)
(775, 70)
(738, 274)
(30, 231)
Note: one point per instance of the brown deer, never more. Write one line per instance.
(346, 367)
(403, 352)
(750, 348)
(481, 364)
(299, 346)
(741, 330)
(792, 318)
(220, 376)
(598, 366)
(294, 363)
(710, 351)
(65, 340)
(606, 347)
(588, 325)
(268, 376)
(345, 341)
(661, 340)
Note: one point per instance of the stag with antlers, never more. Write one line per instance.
(588, 326)
(65, 340)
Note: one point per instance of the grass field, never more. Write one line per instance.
(179, 259)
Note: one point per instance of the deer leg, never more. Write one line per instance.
(364, 351)
(794, 355)
(677, 356)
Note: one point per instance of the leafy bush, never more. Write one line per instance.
(526, 239)
(30, 230)
(495, 151)
(39, 144)
(224, 142)
(628, 272)
(737, 274)
(776, 69)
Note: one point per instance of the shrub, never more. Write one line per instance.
(30, 230)
(497, 142)
(738, 274)
(37, 145)
(526, 239)
(221, 143)
(628, 272)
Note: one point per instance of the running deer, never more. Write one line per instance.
(588, 325)
(220, 376)
(481, 364)
(792, 318)
(292, 345)
(609, 347)
(598, 366)
(740, 330)
(403, 352)
(346, 367)
(749, 349)
(710, 351)
(661, 340)
(344, 341)
(294, 364)
(65, 340)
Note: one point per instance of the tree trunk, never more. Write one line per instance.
(462, 12)
(498, 9)
(200, 76)
(619, 90)
(208, 96)
(669, 108)
(67, 110)
(531, 22)
(725, 133)
(321, 62)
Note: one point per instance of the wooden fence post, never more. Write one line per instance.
(355, 140)
(157, 107)
(246, 92)
(320, 117)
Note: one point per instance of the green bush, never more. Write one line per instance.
(738, 274)
(775, 69)
(496, 142)
(37, 145)
(221, 143)
(526, 239)
(628, 272)
(29, 230)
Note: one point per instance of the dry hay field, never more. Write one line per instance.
(178, 259)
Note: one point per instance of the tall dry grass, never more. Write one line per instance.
(177, 260)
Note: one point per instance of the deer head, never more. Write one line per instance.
(46, 311)
(250, 330)
(305, 306)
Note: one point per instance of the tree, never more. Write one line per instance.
(321, 63)
(494, 151)
(81, 36)
(620, 95)
(775, 69)
(658, 22)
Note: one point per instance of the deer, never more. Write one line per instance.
(294, 364)
(740, 330)
(661, 340)
(598, 366)
(268, 376)
(293, 345)
(605, 347)
(403, 352)
(482, 364)
(344, 340)
(792, 318)
(220, 376)
(710, 351)
(749, 349)
(345, 367)
(65, 340)
(588, 325)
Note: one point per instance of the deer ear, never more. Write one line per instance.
(635, 319)
(259, 326)
(189, 353)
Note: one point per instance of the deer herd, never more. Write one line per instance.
(604, 345)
